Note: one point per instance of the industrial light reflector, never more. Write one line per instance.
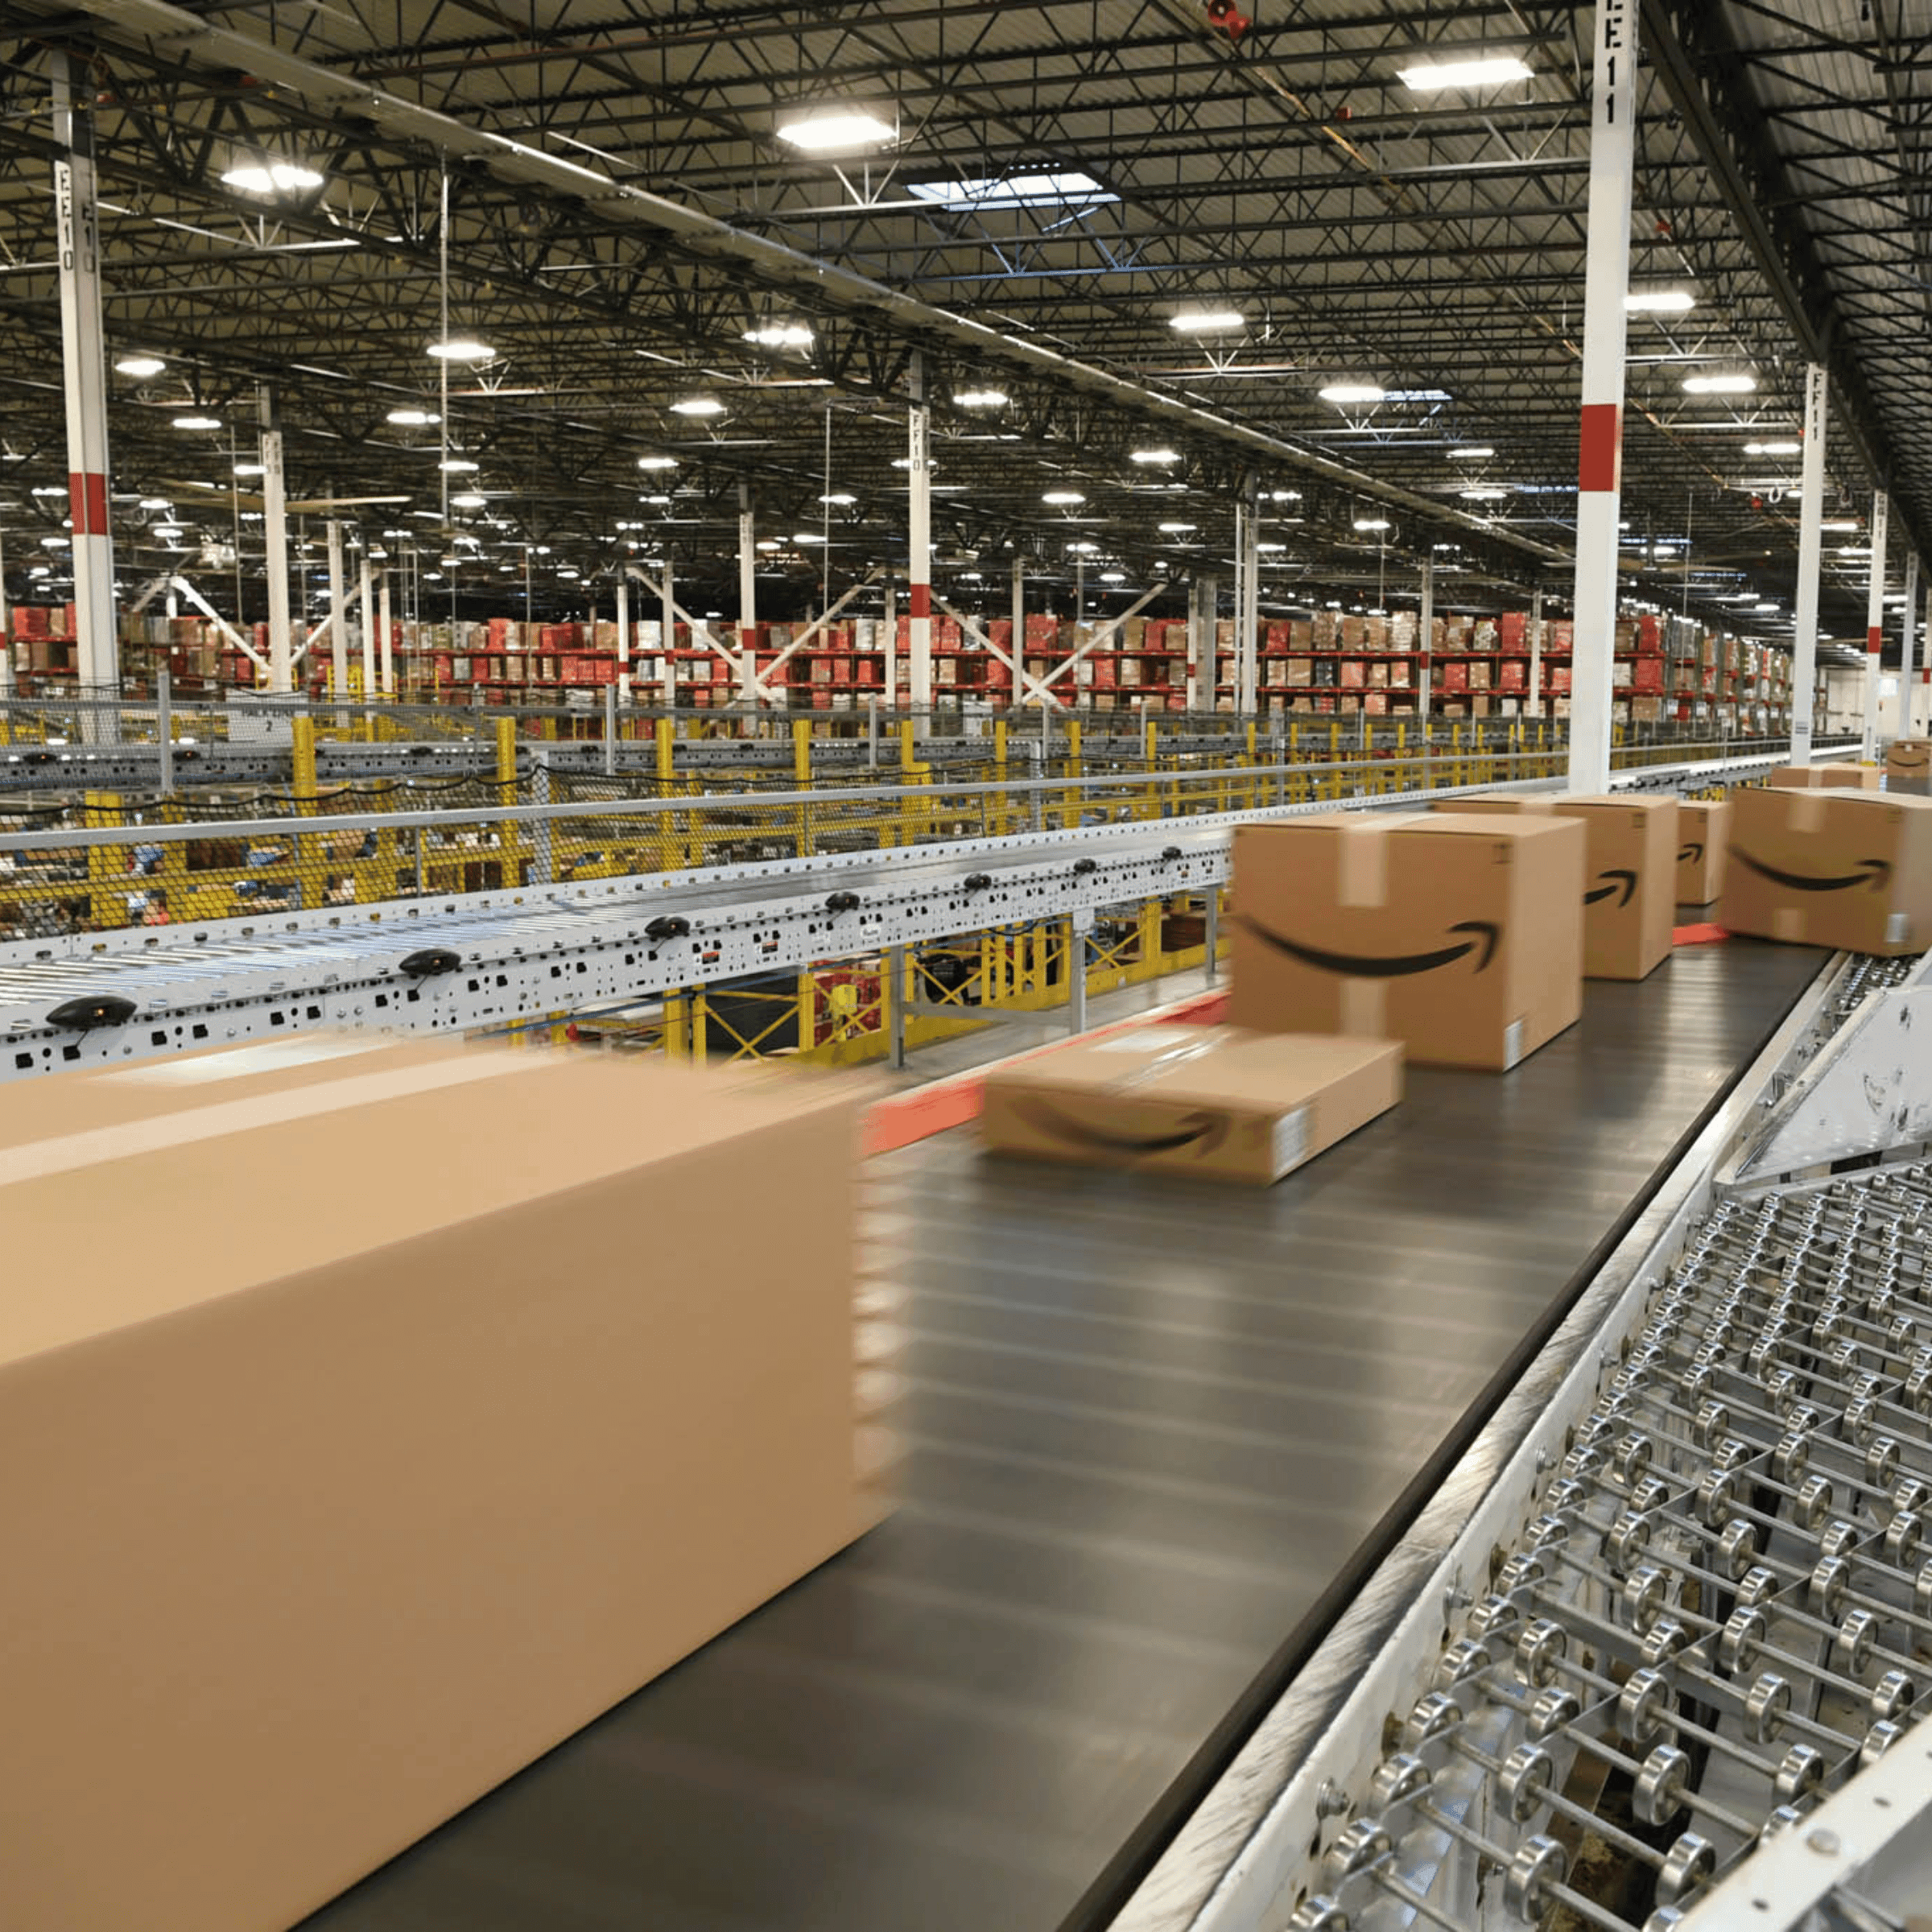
(1063, 498)
(1153, 456)
(1207, 321)
(1471, 452)
(271, 178)
(839, 499)
(657, 462)
(461, 348)
(1176, 530)
(1352, 392)
(1774, 449)
(469, 501)
(1659, 301)
(455, 466)
(1481, 70)
(1371, 523)
(413, 418)
(698, 405)
(1734, 385)
(140, 366)
(197, 423)
(835, 128)
(780, 335)
(981, 399)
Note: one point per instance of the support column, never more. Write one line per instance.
(667, 607)
(889, 635)
(1875, 623)
(1248, 605)
(1600, 437)
(1202, 606)
(1908, 627)
(1916, 701)
(6, 641)
(623, 638)
(748, 599)
(274, 537)
(366, 584)
(338, 618)
(1534, 707)
(1019, 626)
(1812, 511)
(1425, 643)
(84, 363)
(918, 527)
(386, 627)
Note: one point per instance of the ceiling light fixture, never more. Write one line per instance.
(413, 418)
(1060, 498)
(140, 366)
(461, 348)
(657, 462)
(1480, 70)
(838, 499)
(1371, 522)
(1471, 452)
(780, 335)
(469, 501)
(1735, 384)
(197, 423)
(1207, 321)
(981, 399)
(1351, 392)
(1153, 456)
(456, 466)
(1774, 449)
(697, 406)
(833, 128)
(1658, 301)
(1176, 530)
(272, 177)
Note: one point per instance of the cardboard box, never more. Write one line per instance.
(1462, 937)
(1813, 777)
(1704, 835)
(1629, 890)
(1206, 1101)
(1830, 868)
(452, 1396)
(1909, 767)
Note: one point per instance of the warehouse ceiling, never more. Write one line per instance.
(1052, 186)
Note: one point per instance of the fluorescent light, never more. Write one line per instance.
(271, 178)
(1059, 497)
(1114, 576)
(1773, 449)
(838, 498)
(1176, 530)
(413, 418)
(981, 399)
(1659, 301)
(1271, 546)
(48, 490)
(251, 469)
(1153, 456)
(1083, 550)
(461, 348)
(469, 501)
(657, 462)
(770, 544)
(698, 405)
(1207, 321)
(155, 503)
(140, 366)
(780, 335)
(1471, 452)
(1739, 385)
(197, 423)
(835, 128)
(1483, 495)
(1351, 392)
(1284, 496)
(1842, 525)
(1481, 70)
(1371, 522)
(807, 536)
(456, 466)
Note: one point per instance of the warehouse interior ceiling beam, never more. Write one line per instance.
(628, 232)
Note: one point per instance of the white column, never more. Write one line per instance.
(6, 641)
(918, 535)
(1019, 626)
(1811, 509)
(748, 597)
(338, 616)
(367, 585)
(667, 606)
(83, 363)
(1600, 431)
(1534, 708)
(275, 536)
(1248, 613)
(1908, 625)
(386, 630)
(890, 632)
(1200, 621)
(623, 638)
(1875, 623)
(1425, 643)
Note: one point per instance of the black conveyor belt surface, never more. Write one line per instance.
(1148, 1422)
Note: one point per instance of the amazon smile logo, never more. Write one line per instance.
(1873, 872)
(1624, 882)
(1911, 760)
(1690, 855)
(1361, 966)
(1202, 1132)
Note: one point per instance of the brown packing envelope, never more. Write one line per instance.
(1460, 936)
(1848, 870)
(1211, 1101)
(408, 1410)
(1630, 887)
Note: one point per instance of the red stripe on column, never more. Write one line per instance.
(918, 600)
(1874, 640)
(1600, 449)
(87, 502)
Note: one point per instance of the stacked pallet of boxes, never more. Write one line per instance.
(317, 1531)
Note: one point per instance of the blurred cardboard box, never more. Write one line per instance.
(1812, 778)
(1462, 937)
(434, 1400)
(1909, 767)
(1838, 868)
(1208, 1101)
(1630, 887)
(1703, 832)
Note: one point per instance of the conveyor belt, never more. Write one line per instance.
(1150, 1424)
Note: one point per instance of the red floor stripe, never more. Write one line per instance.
(1697, 935)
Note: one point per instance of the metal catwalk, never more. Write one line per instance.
(1149, 1425)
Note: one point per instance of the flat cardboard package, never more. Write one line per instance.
(1703, 834)
(1213, 1101)
(1825, 778)
(374, 1417)
(1838, 868)
(1909, 767)
(1630, 867)
(1462, 937)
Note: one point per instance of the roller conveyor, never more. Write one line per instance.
(1151, 1428)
